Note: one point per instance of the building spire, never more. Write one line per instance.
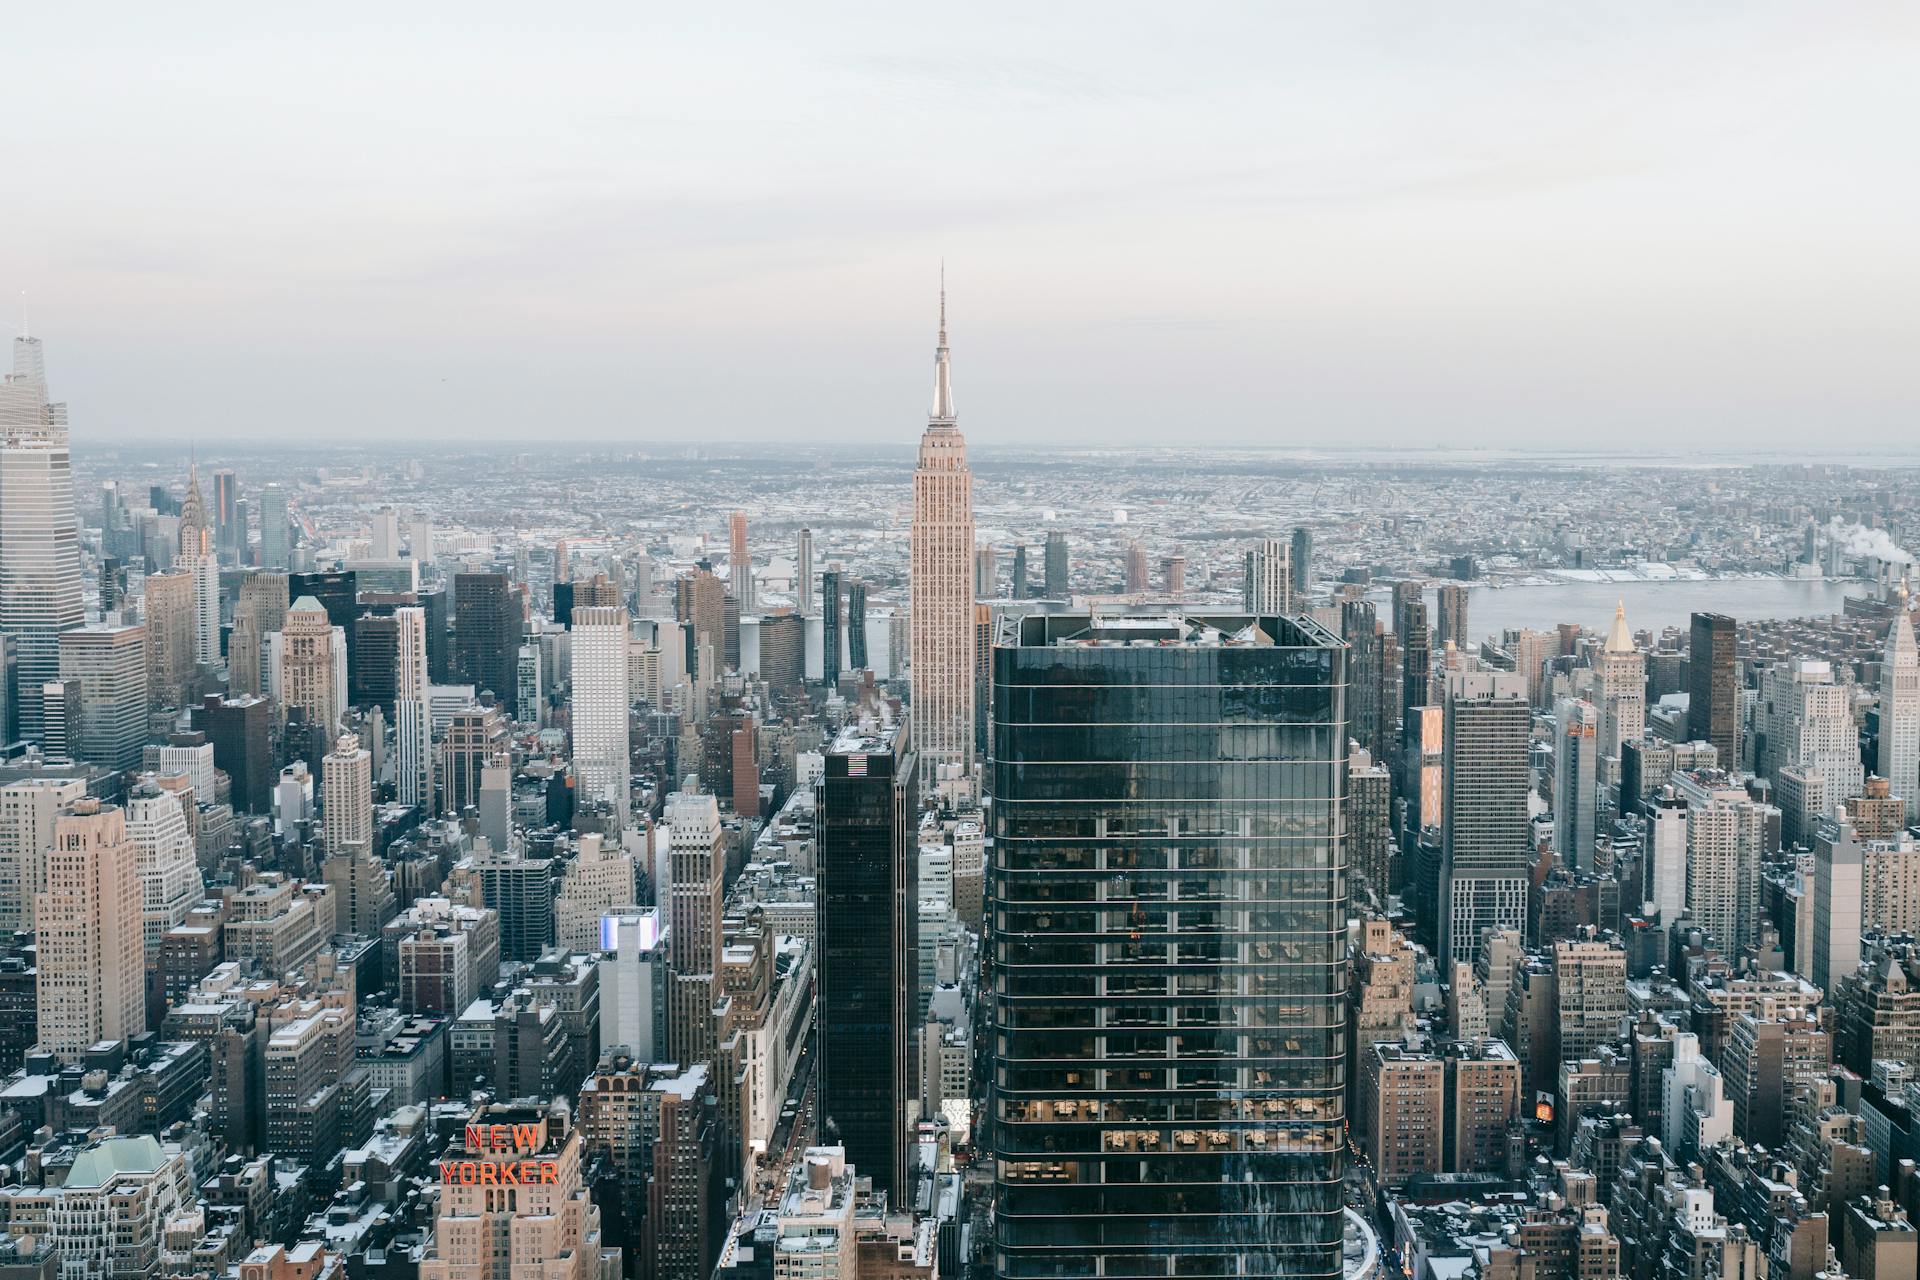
(942, 363)
(1620, 640)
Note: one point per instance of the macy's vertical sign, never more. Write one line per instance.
(501, 1158)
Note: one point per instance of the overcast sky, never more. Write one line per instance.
(1557, 224)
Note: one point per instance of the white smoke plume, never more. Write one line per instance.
(1858, 540)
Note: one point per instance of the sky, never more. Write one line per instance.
(1643, 226)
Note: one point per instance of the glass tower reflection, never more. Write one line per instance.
(1169, 972)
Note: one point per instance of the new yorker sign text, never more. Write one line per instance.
(502, 1158)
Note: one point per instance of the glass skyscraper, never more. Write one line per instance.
(1169, 969)
(867, 926)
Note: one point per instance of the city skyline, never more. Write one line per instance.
(1394, 762)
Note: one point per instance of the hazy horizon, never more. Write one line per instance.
(1326, 227)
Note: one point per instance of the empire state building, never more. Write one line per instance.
(941, 588)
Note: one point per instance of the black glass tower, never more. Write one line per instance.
(866, 917)
(1168, 906)
(832, 642)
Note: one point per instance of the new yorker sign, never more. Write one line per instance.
(501, 1155)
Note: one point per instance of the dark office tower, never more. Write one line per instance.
(832, 641)
(113, 583)
(1416, 660)
(1056, 568)
(1486, 850)
(1302, 562)
(563, 604)
(1169, 886)
(1020, 572)
(1450, 627)
(337, 593)
(866, 919)
(439, 640)
(475, 736)
(226, 507)
(1713, 704)
(729, 633)
(372, 671)
(487, 627)
(241, 731)
(700, 601)
(1360, 630)
(857, 625)
(162, 502)
(1135, 580)
(521, 890)
(783, 651)
(1405, 594)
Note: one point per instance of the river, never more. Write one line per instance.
(1651, 606)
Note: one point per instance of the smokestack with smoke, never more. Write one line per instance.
(1858, 540)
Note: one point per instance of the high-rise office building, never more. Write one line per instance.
(383, 535)
(1136, 569)
(1406, 594)
(1664, 884)
(986, 573)
(1173, 574)
(1300, 562)
(1171, 884)
(1838, 905)
(803, 573)
(226, 509)
(275, 531)
(1485, 852)
(92, 960)
(412, 711)
(196, 557)
(313, 660)
(29, 808)
(1713, 682)
(1055, 568)
(833, 642)
(1267, 585)
(1450, 616)
(110, 662)
(488, 622)
(696, 869)
(40, 579)
(866, 932)
(1017, 576)
(1575, 780)
(475, 737)
(259, 610)
(346, 784)
(547, 1226)
(1361, 630)
(1620, 691)
(1727, 841)
(941, 663)
(60, 719)
(739, 562)
(857, 659)
(1804, 717)
(170, 881)
(241, 732)
(600, 707)
(700, 601)
(1416, 661)
(1900, 710)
